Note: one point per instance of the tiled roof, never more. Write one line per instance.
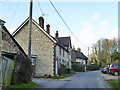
(65, 41)
(79, 55)
(20, 48)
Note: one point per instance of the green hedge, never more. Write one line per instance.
(92, 67)
(63, 70)
(79, 68)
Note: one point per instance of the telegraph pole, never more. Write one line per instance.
(88, 56)
(30, 29)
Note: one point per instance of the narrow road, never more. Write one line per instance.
(91, 79)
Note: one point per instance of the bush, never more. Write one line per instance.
(63, 70)
(92, 67)
(23, 70)
(78, 67)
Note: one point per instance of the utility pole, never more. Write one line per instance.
(30, 29)
(88, 56)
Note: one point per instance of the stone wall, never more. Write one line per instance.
(42, 46)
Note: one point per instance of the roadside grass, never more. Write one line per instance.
(24, 85)
(114, 84)
(61, 76)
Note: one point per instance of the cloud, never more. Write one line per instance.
(95, 17)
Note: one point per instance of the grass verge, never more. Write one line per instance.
(61, 76)
(24, 85)
(114, 84)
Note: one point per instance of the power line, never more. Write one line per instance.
(66, 24)
(41, 10)
(14, 14)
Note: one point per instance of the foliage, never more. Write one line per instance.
(78, 67)
(63, 70)
(62, 76)
(81, 68)
(23, 70)
(114, 84)
(103, 49)
(92, 67)
(24, 85)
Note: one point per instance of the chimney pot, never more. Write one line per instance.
(73, 48)
(41, 22)
(78, 49)
(48, 29)
(56, 35)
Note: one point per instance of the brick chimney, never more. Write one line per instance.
(78, 49)
(48, 28)
(56, 34)
(41, 22)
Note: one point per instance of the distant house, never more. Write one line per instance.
(47, 50)
(78, 57)
(9, 50)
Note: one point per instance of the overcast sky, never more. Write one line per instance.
(89, 21)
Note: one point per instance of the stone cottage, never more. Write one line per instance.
(47, 49)
(10, 49)
(78, 57)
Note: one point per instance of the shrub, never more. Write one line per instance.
(78, 67)
(63, 70)
(92, 67)
(68, 70)
(23, 70)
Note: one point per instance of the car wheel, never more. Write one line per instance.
(116, 73)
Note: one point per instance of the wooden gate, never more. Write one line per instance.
(8, 66)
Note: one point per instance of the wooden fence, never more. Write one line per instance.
(8, 66)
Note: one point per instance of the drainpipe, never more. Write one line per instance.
(54, 58)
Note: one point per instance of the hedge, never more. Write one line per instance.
(79, 67)
(63, 70)
(92, 67)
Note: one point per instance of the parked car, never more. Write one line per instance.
(105, 70)
(114, 69)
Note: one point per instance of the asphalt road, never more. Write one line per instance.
(91, 79)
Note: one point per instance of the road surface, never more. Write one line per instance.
(91, 79)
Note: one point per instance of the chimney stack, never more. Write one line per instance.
(73, 48)
(48, 28)
(56, 34)
(78, 49)
(41, 22)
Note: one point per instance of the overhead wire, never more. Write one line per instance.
(41, 10)
(12, 19)
(66, 24)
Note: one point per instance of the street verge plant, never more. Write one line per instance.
(23, 70)
(63, 70)
(78, 67)
(24, 85)
(92, 67)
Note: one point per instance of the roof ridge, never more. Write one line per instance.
(13, 34)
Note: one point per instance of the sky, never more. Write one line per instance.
(88, 20)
